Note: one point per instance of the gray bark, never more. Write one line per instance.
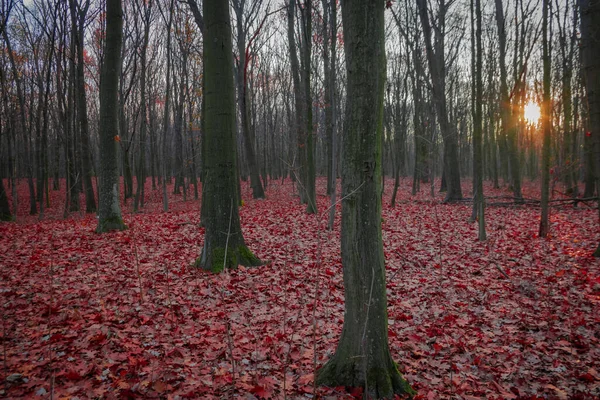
(109, 210)
(590, 35)
(224, 245)
(362, 357)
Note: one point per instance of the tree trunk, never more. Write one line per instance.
(478, 201)
(308, 139)
(438, 78)
(333, 136)
(145, 12)
(78, 24)
(5, 214)
(166, 119)
(362, 357)
(546, 121)
(21, 99)
(224, 245)
(590, 34)
(109, 210)
(243, 96)
(507, 117)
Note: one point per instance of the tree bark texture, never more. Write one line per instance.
(590, 36)
(224, 245)
(109, 211)
(362, 357)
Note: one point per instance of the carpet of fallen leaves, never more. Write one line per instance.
(124, 315)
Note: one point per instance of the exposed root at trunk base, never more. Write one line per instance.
(381, 382)
(218, 260)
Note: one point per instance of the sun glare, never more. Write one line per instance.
(532, 112)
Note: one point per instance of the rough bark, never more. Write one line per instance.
(590, 35)
(224, 245)
(109, 210)
(362, 357)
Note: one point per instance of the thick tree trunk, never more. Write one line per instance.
(109, 210)
(590, 34)
(362, 358)
(224, 245)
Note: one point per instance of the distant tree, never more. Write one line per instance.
(567, 40)
(243, 16)
(478, 199)
(362, 357)
(546, 121)
(301, 73)
(109, 210)
(508, 106)
(437, 69)
(144, 9)
(18, 80)
(166, 115)
(590, 35)
(224, 245)
(5, 214)
(78, 20)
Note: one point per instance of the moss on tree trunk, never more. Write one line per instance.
(224, 245)
(362, 358)
(109, 210)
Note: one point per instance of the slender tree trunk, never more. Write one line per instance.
(333, 111)
(309, 170)
(479, 202)
(145, 11)
(21, 99)
(546, 121)
(166, 119)
(437, 72)
(78, 24)
(244, 100)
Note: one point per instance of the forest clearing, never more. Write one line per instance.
(124, 315)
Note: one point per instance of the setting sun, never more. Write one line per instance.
(532, 112)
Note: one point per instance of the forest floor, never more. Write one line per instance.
(124, 315)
